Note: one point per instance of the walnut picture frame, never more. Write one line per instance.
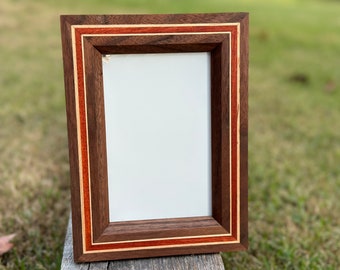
(90, 40)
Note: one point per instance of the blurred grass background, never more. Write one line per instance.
(294, 129)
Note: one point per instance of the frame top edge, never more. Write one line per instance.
(153, 18)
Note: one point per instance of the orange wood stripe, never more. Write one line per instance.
(157, 29)
(83, 126)
(83, 136)
(160, 243)
(234, 131)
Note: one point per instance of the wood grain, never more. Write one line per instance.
(73, 135)
(85, 39)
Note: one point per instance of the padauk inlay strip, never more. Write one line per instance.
(232, 29)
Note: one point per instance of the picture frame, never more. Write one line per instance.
(88, 41)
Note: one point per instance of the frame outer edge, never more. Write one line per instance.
(218, 17)
(66, 24)
(244, 70)
(72, 134)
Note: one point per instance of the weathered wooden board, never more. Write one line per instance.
(194, 262)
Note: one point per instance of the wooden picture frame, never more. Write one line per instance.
(85, 39)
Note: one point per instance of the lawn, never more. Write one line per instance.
(294, 129)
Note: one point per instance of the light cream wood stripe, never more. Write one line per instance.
(230, 144)
(150, 25)
(155, 34)
(238, 134)
(77, 100)
(89, 176)
(158, 247)
(230, 100)
(161, 239)
(80, 163)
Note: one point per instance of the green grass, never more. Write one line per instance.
(294, 129)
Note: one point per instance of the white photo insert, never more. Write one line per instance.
(157, 114)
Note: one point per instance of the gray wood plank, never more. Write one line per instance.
(193, 262)
(67, 262)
